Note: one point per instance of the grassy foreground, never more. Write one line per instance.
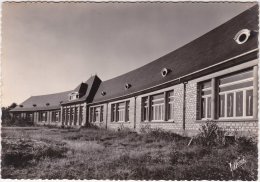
(49, 153)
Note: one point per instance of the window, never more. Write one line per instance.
(71, 114)
(96, 114)
(159, 107)
(120, 112)
(76, 115)
(81, 114)
(236, 95)
(29, 116)
(55, 116)
(43, 116)
(73, 95)
(127, 110)
(68, 115)
(205, 101)
(63, 115)
(170, 105)
(145, 111)
(113, 113)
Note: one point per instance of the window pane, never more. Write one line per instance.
(170, 110)
(203, 107)
(236, 77)
(222, 105)
(249, 103)
(206, 84)
(113, 111)
(127, 111)
(144, 108)
(237, 86)
(101, 113)
(209, 107)
(158, 96)
(230, 104)
(239, 103)
(207, 92)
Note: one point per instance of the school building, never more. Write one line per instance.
(214, 77)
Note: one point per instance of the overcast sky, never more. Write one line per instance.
(52, 47)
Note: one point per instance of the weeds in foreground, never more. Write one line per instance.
(124, 154)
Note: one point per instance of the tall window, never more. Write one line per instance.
(80, 114)
(71, 114)
(120, 112)
(96, 114)
(43, 116)
(236, 95)
(29, 116)
(157, 109)
(127, 110)
(113, 112)
(170, 105)
(63, 115)
(76, 115)
(205, 102)
(145, 111)
(68, 115)
(55, 116)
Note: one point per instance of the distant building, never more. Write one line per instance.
(214, 77)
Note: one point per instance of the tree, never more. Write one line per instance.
(6, 116)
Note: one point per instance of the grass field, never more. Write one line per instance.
(51, 153)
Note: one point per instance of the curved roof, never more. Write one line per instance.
(207, 50)
(210, 49)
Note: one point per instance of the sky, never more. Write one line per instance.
(53, 47)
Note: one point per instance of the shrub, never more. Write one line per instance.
(246, 144)
(211, 135)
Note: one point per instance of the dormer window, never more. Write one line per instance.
(73, 95)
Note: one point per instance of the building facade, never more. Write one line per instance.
(214, 77)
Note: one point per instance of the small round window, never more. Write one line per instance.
(242, 36)
(103, 93)
(127, 86)
(164, 72)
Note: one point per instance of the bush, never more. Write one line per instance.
(211, 135)
(246, 144)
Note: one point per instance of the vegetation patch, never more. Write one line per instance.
(91, 153)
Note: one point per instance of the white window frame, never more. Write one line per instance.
(234, 103)
(206, 97)
(156, 109)
(118, 114)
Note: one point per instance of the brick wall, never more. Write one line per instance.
(121, 125)
(174, 126)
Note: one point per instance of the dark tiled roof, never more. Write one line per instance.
(87, 89)
(209, 49)
(41, 100)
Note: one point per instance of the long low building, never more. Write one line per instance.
(214, 77)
